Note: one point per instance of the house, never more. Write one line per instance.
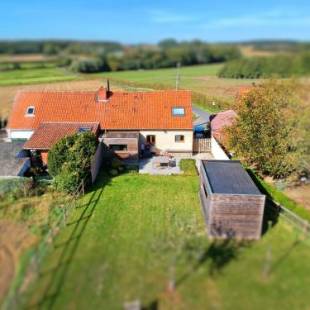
(122, 120)
(232, 204)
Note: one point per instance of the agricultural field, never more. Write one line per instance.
(139, 237)
(24, 58)
(201, 79)
(32, 76)
(198, 78)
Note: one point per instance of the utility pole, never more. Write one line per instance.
(177, 79)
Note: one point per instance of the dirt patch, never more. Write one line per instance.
(14, 239)
(25, 58)
(250, 51)
(300, 194)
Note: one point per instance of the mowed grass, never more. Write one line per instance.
(32, 76)
(134, 236)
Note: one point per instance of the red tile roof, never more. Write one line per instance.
(48, 134)
(133, 110)
(221, 121)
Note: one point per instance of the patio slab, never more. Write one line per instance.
(146, 166)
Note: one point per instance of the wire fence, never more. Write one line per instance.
(293, 218)
(16, 298)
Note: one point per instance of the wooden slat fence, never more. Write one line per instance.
(201, 145)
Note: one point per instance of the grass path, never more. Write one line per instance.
(135, 236)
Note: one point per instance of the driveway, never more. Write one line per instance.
(203, 116)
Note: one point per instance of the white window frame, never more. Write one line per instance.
(179, 141)
(30, 114)
(176, 111)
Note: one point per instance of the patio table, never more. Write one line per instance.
(161, 161)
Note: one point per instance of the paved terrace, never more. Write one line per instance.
(146, 166)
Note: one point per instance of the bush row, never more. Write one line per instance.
(264, 67)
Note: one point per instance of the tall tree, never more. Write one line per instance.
(265, 132)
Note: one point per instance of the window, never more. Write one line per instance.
(179, 138)
(178, 111)
(151, 139)
(30, 111)
(118, 147)
(84, 129)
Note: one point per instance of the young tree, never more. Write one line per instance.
(264, 134)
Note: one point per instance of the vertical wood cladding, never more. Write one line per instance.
(231, 215)
(132, 144)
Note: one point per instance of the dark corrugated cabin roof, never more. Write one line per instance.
(229, 177)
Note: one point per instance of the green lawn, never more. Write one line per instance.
(134, 234)
(33, 76)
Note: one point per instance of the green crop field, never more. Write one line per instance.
(33, 76)
(140, 237)
(201, 79)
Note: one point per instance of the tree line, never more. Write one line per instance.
(264, 67)
(89, 57)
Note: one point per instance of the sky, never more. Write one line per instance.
(134, 21)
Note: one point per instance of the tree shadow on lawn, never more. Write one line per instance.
(68, 248)
(219, 253)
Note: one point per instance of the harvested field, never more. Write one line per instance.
(300, 194)
(250, 51)
(25, 58)
(14, 239)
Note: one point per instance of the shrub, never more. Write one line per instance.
(67, 181)
(113, 172)
(188, 166)
(90, 65)
(69, 160)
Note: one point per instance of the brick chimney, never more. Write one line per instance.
(103, 93)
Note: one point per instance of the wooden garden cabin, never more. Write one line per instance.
(232, 204)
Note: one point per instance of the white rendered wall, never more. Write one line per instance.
(19, 134)
(217, 151)
(165, 139)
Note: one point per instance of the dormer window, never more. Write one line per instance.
(178, 111)
(30, 111)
